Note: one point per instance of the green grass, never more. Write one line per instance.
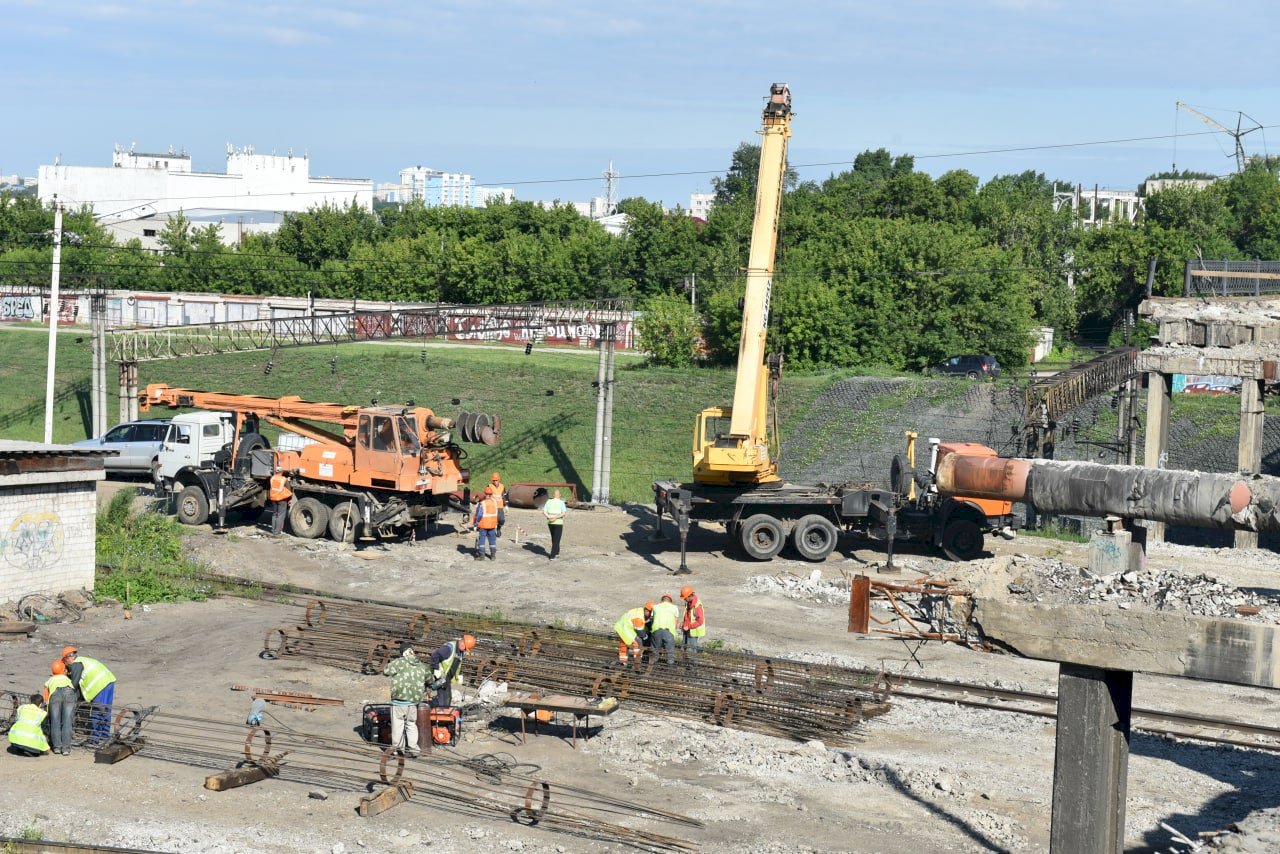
(546, 400)
(140, 556)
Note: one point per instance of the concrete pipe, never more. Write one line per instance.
(1198, 499)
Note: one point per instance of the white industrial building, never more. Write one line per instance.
(137, 194)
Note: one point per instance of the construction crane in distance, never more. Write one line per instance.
(1238, 134)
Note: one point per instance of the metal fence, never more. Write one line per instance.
(1230, 278)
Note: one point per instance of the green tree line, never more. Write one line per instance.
(877, 264)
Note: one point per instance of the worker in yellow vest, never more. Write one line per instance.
(26, 735)
(60, 699)
(630, 629)
(665, 618)
(97, 685)
(694, 625)
(280, 495)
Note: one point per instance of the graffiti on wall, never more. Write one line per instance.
(18, 308)
(1205, 384)
(34, 540)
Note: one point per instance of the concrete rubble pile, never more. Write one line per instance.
(1164, 590)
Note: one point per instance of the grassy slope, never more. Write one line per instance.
(545, 437)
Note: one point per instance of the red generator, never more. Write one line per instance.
(445, 725)
(442, 726)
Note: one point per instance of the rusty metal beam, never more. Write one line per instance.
(1049, 399)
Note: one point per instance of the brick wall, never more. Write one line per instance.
(47, 533)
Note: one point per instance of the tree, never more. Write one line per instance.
(667, 331)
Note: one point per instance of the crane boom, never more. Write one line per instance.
(1237, 134)
(742, 455)
(748, 416)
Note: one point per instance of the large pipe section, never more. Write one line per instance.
(1199, 499)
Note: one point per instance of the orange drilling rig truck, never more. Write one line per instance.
(353, 469)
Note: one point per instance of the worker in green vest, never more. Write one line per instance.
(630, 629)
(665, 617)
(97, 685)
(26, 735)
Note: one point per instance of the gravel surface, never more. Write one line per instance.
(925, 777)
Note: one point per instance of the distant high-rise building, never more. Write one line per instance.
(700, 204)
(439, 189)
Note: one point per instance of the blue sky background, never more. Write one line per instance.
(540, 90)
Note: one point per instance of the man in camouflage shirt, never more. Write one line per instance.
(408, 682)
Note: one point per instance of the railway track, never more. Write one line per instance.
(1175, 724)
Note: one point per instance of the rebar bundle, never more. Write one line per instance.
(485, 786)
(734, 689)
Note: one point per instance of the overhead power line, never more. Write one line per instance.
(690, 172)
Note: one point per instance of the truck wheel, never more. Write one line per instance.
(814, 537)
(193, 506)
(343, 520)
(761, 537)
(962, 539)
(308, 518)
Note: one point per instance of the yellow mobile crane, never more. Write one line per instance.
(735, 471)
(744, 454)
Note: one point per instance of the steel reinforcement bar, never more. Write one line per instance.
(775, 696)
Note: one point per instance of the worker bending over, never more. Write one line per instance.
(97, 685)
(446, 669)
(693, 626)
(665, 617)
(60, 699)
(26, 735)
(631, 632)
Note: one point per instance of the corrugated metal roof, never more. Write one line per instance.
(14, 448)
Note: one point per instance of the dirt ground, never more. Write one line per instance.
(925, 777)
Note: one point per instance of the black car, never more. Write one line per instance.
(973, 367)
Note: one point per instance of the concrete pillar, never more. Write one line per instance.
(1091, 760)
(1155, 455)
(1250, 454)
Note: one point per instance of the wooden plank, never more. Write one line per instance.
(372, 805)
(112, 753)
(237, 777)
(562, 703)
(289, 697)
(1233, 274)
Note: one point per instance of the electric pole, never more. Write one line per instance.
(53, 321)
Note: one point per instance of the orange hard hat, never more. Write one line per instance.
(468, 642)
(488, 490)
(68, 650)
(648, 606)
(496, 476)
(666, 597)
(686, 592)
(58, 668)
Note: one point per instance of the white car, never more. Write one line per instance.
(137, 443)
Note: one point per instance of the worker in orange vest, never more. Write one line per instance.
(488, 517)
(500, 495)
(693, 626)
(280, 494)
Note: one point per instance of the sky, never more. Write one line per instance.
(540, 95)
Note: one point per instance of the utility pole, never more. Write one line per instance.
(53, 321)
